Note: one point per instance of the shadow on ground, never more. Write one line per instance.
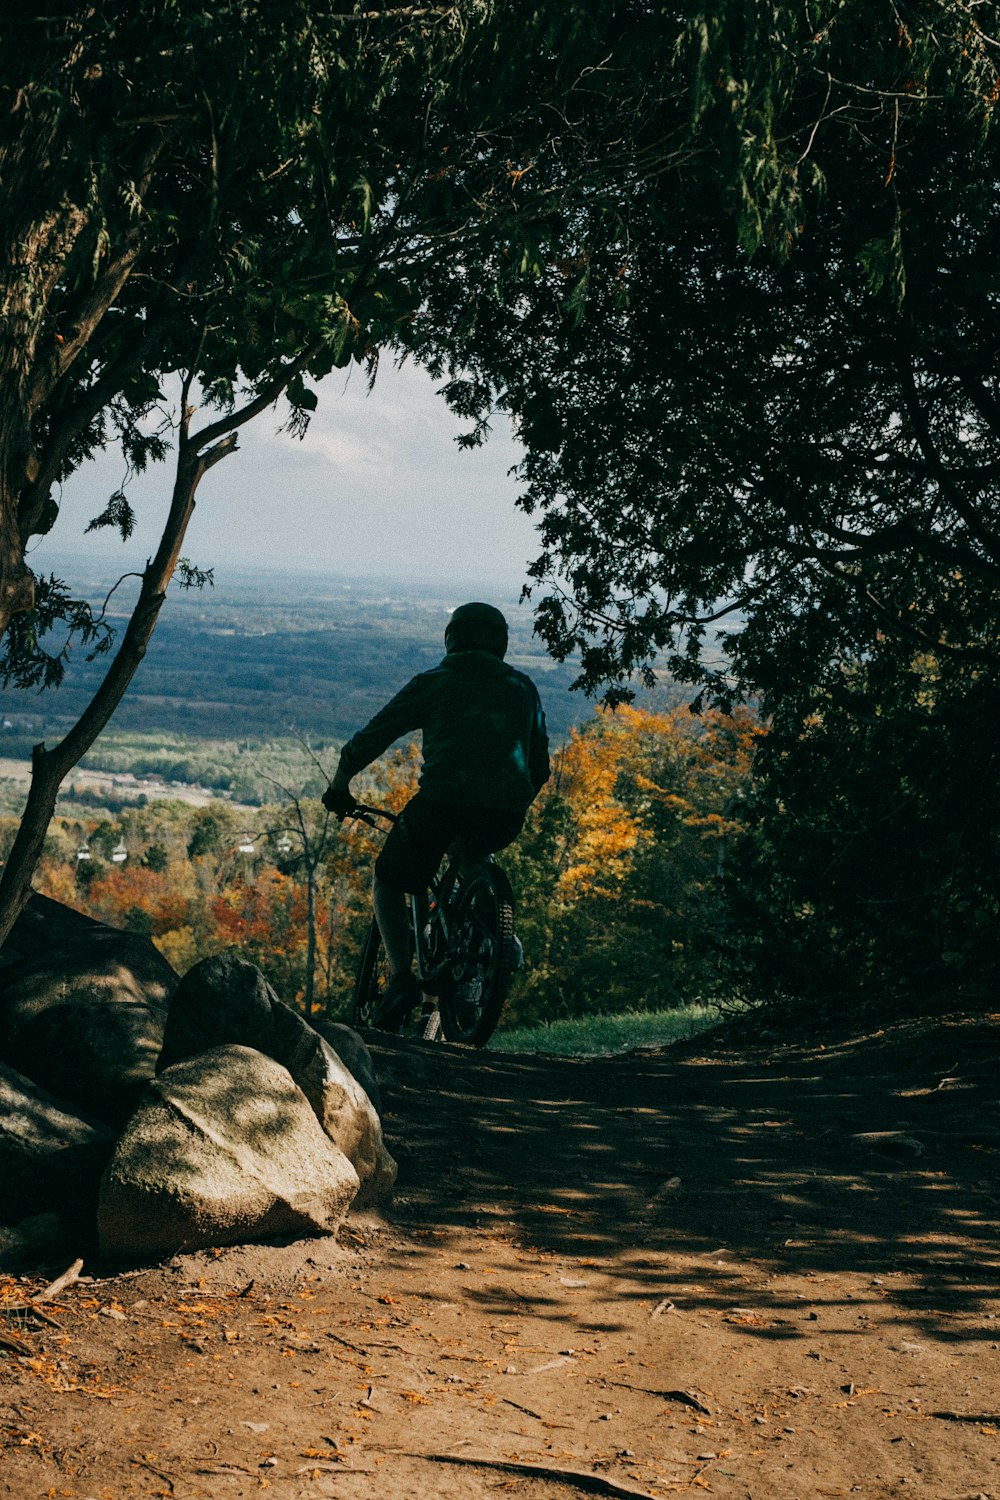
(876, 1155)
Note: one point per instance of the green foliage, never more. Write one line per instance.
(782, 400)
(26, 662)
(867, 866)
(241, 199)
(603, 1035)
(617, 875)
(157, 857)
(206, 835)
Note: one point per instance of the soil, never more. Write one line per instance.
(757, 1272)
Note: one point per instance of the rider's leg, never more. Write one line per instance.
(393, 924)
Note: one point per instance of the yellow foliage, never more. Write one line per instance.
(615, 771)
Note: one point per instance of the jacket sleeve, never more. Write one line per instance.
(401, 715)
(538, 751)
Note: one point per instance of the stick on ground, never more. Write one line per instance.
(71, 1274)
(578, 1478)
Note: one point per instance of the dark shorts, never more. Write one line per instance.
(426, 829)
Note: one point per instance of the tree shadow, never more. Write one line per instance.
(875, 1157)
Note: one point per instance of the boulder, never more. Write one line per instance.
(44, 926)
(342, 1106)
(221, 1000)
(353, 1053)
(224, 1001)
(222, 1148)
(50, 1156)
(82, 1010)
(37, 1241)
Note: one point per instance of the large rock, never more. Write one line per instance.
(225, 1000)
(82, 1008)
(43, 927)
(353, 1053)
(220, 1000)
(223, 1148)
(50, 1156)
(38, 1241)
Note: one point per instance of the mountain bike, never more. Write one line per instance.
(462, 939)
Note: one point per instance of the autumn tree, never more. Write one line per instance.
(618, 875)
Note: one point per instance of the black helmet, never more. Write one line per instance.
(476, 627)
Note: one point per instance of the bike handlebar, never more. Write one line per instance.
(365, 814)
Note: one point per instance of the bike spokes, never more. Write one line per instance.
(483, 957)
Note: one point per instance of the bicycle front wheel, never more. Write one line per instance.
(483, 956)
(373, 976)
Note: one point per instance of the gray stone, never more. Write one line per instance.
(35, 1241)
(221, 1001)
(223, 1148)
(353, 1053)
(82, 1015)
(50, 1156)
(342, 1106)
(226, 1001)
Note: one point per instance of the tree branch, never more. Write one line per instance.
(988, 539)
(50, 369)
(261, 402)
(75, 422)
(50, 767)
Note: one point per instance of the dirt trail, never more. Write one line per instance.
(753, 1273)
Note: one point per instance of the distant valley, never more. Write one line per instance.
(259, 659)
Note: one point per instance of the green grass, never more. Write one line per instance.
(599, 1036)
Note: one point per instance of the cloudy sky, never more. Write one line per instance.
(378, 485)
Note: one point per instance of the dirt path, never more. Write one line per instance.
(669, 1273)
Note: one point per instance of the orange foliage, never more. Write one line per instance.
(142, 899)
(628, 769)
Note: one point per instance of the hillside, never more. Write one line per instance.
(256, 658)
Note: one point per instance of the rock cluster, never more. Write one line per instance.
(193, 1112)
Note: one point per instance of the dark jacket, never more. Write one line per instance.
(484, 740)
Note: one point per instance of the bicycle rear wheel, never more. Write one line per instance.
(483, 955)
(373, 976)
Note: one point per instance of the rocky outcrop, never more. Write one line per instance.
(223, 1147)
(225, 1000)
(240, 1120)
(82, 1008)
(51, 1157)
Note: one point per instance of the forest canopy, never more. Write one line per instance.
(732, 272)
(773, 399)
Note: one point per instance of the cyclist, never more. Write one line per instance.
(485, 758)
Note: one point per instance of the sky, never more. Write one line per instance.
(377, 486)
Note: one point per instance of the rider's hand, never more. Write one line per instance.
(339, 799)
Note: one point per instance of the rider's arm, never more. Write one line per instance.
(401, 715)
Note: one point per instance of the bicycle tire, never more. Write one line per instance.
(430, 1026)
(484, 956)
(373, 973)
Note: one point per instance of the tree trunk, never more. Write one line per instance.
(49, 768)
(17, 582)
(309, 996)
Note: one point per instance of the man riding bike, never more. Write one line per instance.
(485, 758)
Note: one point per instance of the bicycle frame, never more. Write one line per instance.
(432, 905)
(463, 940)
